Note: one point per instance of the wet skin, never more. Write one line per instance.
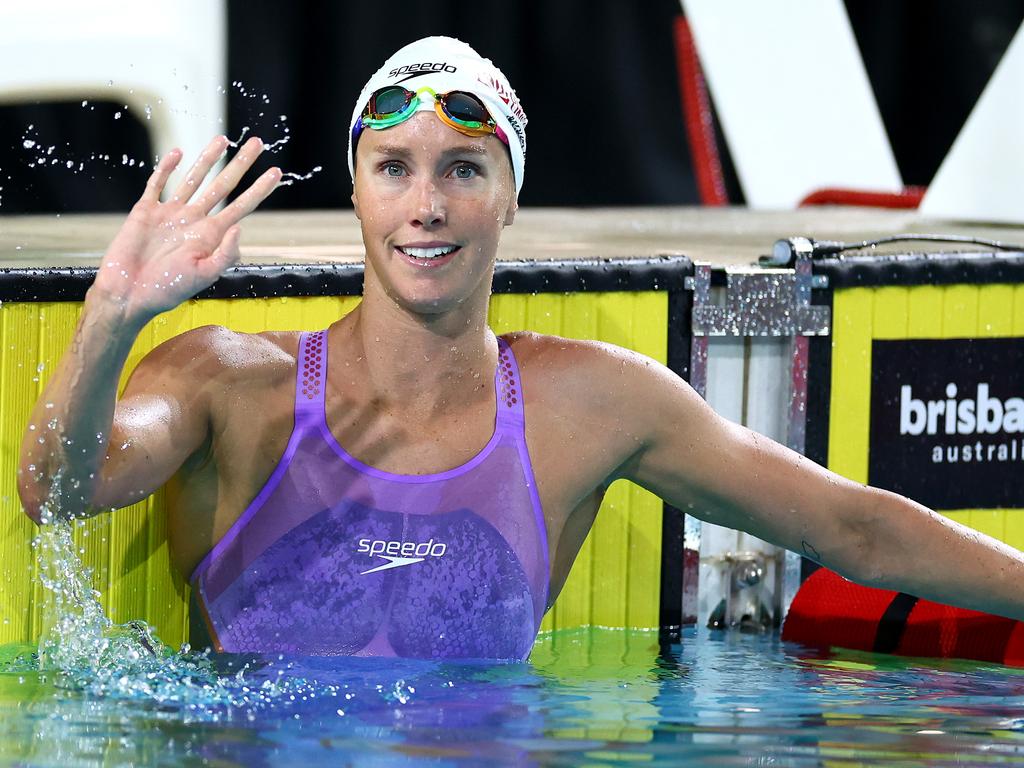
(410, 384)
(410, 390)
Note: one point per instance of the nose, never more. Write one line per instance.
(430, 210)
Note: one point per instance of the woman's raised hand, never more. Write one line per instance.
(166, 252)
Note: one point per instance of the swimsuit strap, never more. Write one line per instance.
(310, 375)
(508, 387)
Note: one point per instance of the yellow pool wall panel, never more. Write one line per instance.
(861, 315)
(614, 583)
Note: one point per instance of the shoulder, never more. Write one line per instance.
(614, 404)
(604, 365)
(595, 376)
(215, 355)
(541, 348)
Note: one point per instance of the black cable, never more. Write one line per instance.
(829, 247)
(784, 252)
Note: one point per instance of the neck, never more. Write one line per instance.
(422, 364)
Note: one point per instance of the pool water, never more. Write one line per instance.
(586, 697)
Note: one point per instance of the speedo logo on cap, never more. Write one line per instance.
(399, 553)
(426, 66)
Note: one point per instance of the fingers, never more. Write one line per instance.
(228, 178)
(209, 157)
(163, 170)
(248, 201)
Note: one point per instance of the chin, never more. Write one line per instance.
(457, 287)
(427, 303)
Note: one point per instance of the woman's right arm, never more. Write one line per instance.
(84, 451)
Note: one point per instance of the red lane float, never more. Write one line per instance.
(830, 611)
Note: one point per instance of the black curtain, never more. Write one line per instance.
(597, 79)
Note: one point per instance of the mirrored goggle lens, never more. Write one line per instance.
(387, 101)
(465, 107)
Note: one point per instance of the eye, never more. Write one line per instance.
(465, 171)
(392, 169)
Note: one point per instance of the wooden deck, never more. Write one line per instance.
(720, 236)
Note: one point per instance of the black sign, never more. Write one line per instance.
(947, 421)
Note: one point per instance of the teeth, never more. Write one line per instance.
(428, 253)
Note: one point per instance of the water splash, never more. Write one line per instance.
(248, 93)
(279, 126)
(282, 124)
(83, 651)
(40, 153)
(77, 634)
(288, 178)
(236, 143)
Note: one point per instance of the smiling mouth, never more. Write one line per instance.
(440, 253)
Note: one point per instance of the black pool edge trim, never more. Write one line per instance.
(658, 273)
(819, 403)
(670, 608)
(922, 269)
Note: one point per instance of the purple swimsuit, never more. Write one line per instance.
(335, 557)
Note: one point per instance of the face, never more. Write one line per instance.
(432, 203)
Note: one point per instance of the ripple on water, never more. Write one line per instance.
(94, 691)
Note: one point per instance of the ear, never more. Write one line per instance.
(355, 205)
(510, 213)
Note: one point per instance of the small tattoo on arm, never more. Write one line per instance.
(811, 552)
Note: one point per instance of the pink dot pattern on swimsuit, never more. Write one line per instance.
(509, 385)
(312, 365)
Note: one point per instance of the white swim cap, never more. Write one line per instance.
(446, 64)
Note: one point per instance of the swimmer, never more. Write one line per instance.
(404, 482)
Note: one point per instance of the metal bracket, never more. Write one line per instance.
(760, 302)
(755, 302)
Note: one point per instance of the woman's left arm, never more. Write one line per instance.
(727, 474)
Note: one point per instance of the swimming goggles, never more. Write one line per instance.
(460, 110)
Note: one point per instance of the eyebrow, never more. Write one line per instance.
(397, 150)
(391, 149)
